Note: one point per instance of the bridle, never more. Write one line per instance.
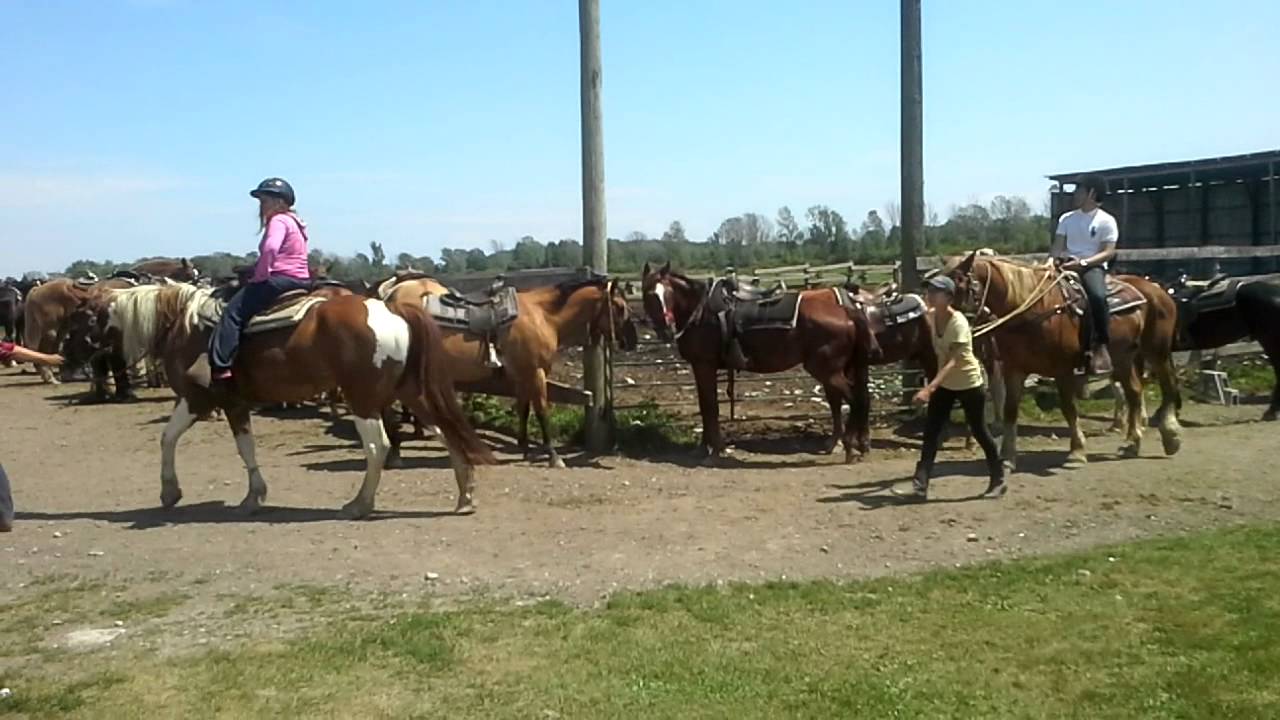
(971, 280)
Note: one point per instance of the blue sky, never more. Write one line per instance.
(136, 127)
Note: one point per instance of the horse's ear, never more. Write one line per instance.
(186, 263)
(666, 268)
(967, 264)
(647, 271)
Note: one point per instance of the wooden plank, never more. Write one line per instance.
(1203, 252)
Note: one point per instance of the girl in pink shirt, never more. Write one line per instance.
(281, 267)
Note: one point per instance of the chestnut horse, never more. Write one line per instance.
(831, 341)
(1036, 333)
(550, 319)
(375, 353)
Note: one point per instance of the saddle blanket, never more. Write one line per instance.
(478, 315)
(286, 313)
(1121, 296)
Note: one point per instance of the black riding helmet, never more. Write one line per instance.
(277, 187)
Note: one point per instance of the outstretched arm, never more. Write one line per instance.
(21, 354)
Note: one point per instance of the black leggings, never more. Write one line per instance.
(973, 401)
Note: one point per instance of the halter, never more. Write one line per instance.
(1046, 284)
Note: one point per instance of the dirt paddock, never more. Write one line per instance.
(86, 485)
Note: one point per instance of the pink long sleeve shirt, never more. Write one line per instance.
(283, 250)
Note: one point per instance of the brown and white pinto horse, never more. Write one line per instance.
(549, 319)
(831, 342)
(375, 353)
(1038, 335)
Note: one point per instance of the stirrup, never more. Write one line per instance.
(492, 361)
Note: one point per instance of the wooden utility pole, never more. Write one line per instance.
(912, 140)
(595, 248)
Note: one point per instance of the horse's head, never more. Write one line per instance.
(658, 293)
(88, 331)
(615, 319)
(971, 290)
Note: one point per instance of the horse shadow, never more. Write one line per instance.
(216, 512)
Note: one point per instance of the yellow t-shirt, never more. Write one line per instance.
(956, 341)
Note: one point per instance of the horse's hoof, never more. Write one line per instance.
(1172, 444)
(1129, 450)
(170, 498)
(465, 508)
(1076, 460)
(355, 510)
(1269, 416)
(394, 462)
(1009, 466)
(249, 507)
(556, 463)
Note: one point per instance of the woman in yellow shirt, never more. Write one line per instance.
(959, 378)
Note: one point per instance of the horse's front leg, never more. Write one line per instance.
(1067, 387)
(1013, 381)
(522, 427)
(242, 430)
(391, 423)
(179, 422)
(835, 401)
(705, 380)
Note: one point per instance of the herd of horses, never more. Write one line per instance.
(402, 345)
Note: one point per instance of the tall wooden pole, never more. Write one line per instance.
(595, 248)
(912, 96)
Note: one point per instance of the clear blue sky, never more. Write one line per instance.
(136, 128)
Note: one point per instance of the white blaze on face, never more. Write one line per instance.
(390, 333)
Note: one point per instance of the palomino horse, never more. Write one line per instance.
(830, 340)
(549, 319)
(375, 353)
(1037, 332)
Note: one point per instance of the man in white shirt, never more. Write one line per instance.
(1084, 242)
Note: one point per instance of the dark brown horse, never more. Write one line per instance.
(1037, 332)
(830, 340)
(1254, 313)
(48, 312)
(375, 353)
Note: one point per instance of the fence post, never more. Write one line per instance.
(595, 248)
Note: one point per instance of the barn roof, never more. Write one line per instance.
(1249, 166)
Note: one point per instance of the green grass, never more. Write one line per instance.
(1251, 377)
(1176, 628)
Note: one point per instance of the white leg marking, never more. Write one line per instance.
(376, 444)
(390, 333)
(179, 422)
(257, 486)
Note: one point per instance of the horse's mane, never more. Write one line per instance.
(697, 286)
(147, 315)
(1020, 279)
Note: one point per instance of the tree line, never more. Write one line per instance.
(821, 235)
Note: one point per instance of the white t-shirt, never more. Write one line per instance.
(1087, 232)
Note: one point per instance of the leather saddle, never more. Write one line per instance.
(740, 310)
(388, 286)
(886, 306)
(479, 313)
(1202, 296)
(1121, 296)
(288, 311)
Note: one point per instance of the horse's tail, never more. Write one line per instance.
(428, 360)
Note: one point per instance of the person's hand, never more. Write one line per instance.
(1071, 263)
(55, 360)
(922, 397)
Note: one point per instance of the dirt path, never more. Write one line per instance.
(86, 484)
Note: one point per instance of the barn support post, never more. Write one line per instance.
(912, 150)
(595, 247)
(1271, 204)
(1124, 210)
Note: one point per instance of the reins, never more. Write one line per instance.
(1042, 289)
